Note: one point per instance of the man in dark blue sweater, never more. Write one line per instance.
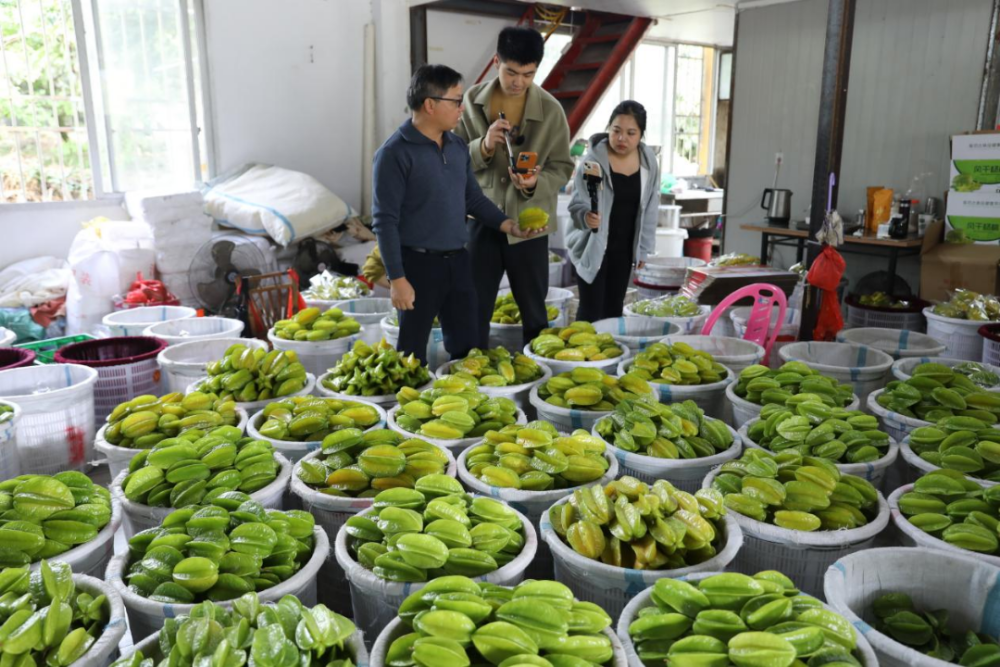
(423, 190)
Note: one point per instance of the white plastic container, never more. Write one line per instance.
(140, 517)
(557, 366)
(874, 472)
(800, 555)
(376, 601)
(903, 369)
(897, 343)
(733, 353)
(685, 474)
(10, 459)
(896, 425)
(917, 467)
(564, 419)
(317, 356)
(710, 397)
(294, 450)
(744, 410)
(556, 296)
(960, 336)
(612, 587)
(104, 650)
(253, 406)
(147, 616)
(864, 368)
(670, 242)
(788, 333)
(934, 579)
(667, 270)
(118, 458)
(369, 313)
(642, 600)
(636, 333)
(183, 363)
(195, 329)
(56, 428)
(384, 401)
(133, 322)
(515, 392)
(687, 325)
(436, 354)
(456, 446)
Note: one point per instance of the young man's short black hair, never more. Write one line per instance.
(430, 81)
(524, 46)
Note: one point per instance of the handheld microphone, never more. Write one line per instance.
(592, 175)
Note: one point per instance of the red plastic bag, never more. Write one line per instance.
(825, 275)
(144, 292)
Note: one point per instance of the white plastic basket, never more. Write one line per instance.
(146, 616)
(564, 419)
(744, 410)
(183, 363)
(911, 536)
(896, 425)
(254, 406)
(991, 343)
(917, 467)
(635, 333)
(511, 336)
(456, 446)
(384, 401)
(733, 353)
(195, 328)
(92, 557)
(685, 474)
(369, 313)
(897, 343)
(556, 296)
(802, 556)
(133, 322)
(557, 366)
(436, 354)
(874, 472)
(612, 587)
(294, 450)
(396, 629)
(903, 369)
(864, 368)
(643, 600)
(788, 333)
(118, 458)
(332, 512)
(376, 601)
(317, 356)
(960, 336)
(104, 651)
(140, 517)
(667, 271)
(710, 397)
(556, 272)
(687, 325)
(859, 316)
(56, 428)
(515, 392)
(10, 460)
(934, 579)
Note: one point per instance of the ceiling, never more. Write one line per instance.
(650, 8)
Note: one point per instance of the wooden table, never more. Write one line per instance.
(857, 245)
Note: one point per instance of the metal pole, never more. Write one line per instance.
(830, 137)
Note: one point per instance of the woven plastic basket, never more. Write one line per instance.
(126, 368)
(687, 325)
(635, 333)
(864, 368)
(15, 357)
(184, 363)
(369, 312)
(990, 333)
(134, 321)
(195, 328)
(10, 460)
(960, 336)
(910, 318)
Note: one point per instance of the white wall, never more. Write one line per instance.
(48, 229)
(710, 27)
(464, 42)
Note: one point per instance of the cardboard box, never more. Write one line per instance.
(973, 207)
(709, 285)
(945, 267)
(977, 157)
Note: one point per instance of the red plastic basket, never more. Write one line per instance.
(13, 357)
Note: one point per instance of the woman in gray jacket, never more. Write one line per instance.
(603, 246)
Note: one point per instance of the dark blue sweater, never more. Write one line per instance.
(421, 195)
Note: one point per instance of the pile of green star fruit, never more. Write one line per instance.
(793, 382)
(795, 492)
(452, 410)
(45, 516)
(497, 368)
(536, 457)
(180, 472)
(813, 428)
(734, 619)
(147, 420)
(218, 551)
(949, 507)
(455, 621)
(360, 465)
(44, 620)
(980, 374)
(266, 635)
(671, 306)
(245, 375)
(435, 529)
(315, 325)
(577, 342)
(375, 370)
(309, 418)
(592, 389)
(678, 364)
(6, 412)
(932, 396)
(630, 524)
(677, 431)
(506, 311)
(933, 632)
(963, 444)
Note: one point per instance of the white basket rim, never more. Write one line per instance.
(109, 639)
(703, 313)
(90, 376)
(913, 460)
(882, 361)
(127, 317)
(931, 315)
(164, 357)
(901, 369)
(922, 341)
(753, 349)
(229, 325)
(457, 444)
(315, 347)
(892, 417)
(686, 389)
(741, 402)
(635, 461)
(601, 364)
(923, 539)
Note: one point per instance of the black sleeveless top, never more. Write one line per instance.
(624, 211)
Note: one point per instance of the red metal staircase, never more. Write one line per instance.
(595, 56)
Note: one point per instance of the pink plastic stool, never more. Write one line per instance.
(765, 296)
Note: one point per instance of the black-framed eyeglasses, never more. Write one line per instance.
(456, 101)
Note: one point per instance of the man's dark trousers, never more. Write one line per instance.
(444, 289)
(527, 266)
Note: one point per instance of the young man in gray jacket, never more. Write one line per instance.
(512, 103)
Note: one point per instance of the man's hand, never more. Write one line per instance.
(508, 226)
(494, 135)
(592, 219)
(524, 182)
(402, 294)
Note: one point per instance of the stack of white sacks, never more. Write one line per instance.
(180, 228)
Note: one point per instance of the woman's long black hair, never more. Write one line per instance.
(631, 108)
